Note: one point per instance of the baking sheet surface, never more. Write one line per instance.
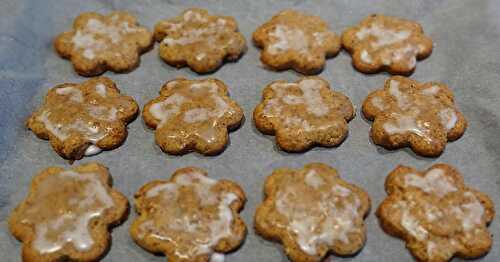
(466, 57)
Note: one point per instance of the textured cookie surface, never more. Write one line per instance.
(436, 214)
(304, 113)
(192, 115)
(67, 214)
(190, 217)
(295, 40)
(83, 119)
(386, 43)
(408, 113)
(312, 212)
(199, 40)
(98, 43)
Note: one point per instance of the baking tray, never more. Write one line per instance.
(466, 57)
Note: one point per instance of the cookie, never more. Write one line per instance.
(98, 43)
(189, 217)
(193, 115)
(312, 212)
(303, 114)
(408, 113)
(436, 214)
(292, 39)
(83, 119)
(386, 43)
(199, 40)
(67, 214)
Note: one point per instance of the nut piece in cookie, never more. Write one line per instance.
(312, 212)
(295, 40)
(104, 42)
(193, 115)
(436, 214)
(303, 114)
(199, 40)
(83, 119)
(408, 113)
(68, 214)
(386, 43)
(189, 217)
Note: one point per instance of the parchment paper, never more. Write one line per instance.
(466, 57)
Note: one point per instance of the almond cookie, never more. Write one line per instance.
(292, 39)
(83, 119)
(199, 40)
(386, 43)
(303, 114)
(104, 42)
(312, 212)
(436, 214)
(189, 217)
(68, 214)
(408, 113)
(193, 115)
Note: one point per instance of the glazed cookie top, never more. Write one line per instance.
(436, 213)
(199, 40)
(293, 39)
(115, 40)
(67, 213)
(416, 113)
(312, 211)
(386, 42)
(190, 217)
(193, 111)
(87, 115)
(307, 106)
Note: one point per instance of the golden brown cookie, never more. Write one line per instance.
(189, 217)
(98, 43)
(193, 115)
(312, 212)
(303, 114)
(199, 40)
(83, 119)
(386, 43)
(292, 39)
(436, 214)
(408, 113)
(68, 214)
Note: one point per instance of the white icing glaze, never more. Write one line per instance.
(313, 179)
(412, 225)
(384, 36)
(76, 220)
(400, 97)
(321, 222)
(217, 257)
(470, 213)
(85, 38)
(286, 39)
(434, 181)
(74, 94)
(366, 57)
(92, 150)
(211, 233)
(378, 103)
(165, 109)
(431, 90)
(62, 132)
(405, 123)
(101, 89)
(448, 118)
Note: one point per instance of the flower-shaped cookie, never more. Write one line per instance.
(189, 217)
(312, 212)
(83, 119)
(386, 43)
(193, 115)
(199, 40)
(67, 214)
(303, 114)
(420, 115)
(436, 214)
(104, 42)
(295, 40)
